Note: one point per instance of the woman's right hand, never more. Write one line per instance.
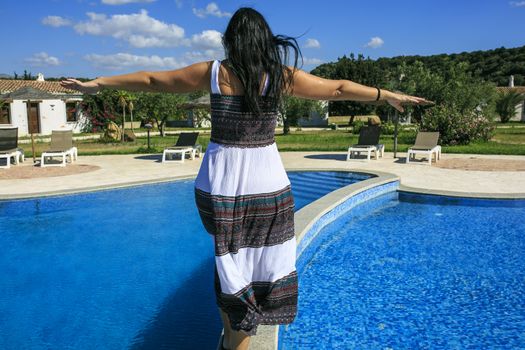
(88, 87)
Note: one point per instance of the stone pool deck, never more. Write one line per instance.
(125, 170)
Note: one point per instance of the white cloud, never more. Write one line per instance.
(42, 59)
(312, 44)
(208, 39)
(123, 2)
(517, 3)
(308, 61)
(212, 9)
(138, 29)
(56, 21)
(205, 55)
(179, 3)
(122, 61)
(375, 42)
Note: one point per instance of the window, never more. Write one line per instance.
(5, 113)
(71, 111)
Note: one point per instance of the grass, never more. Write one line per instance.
(512, 135)
(95, 147)
(508, 140)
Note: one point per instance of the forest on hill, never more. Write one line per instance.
(490, 65)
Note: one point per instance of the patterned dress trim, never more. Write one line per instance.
(234, 126)
(277, 303)
(249, 221)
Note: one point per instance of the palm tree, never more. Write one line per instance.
(123, 102)
(131, 107)
(506, 104)
(2, 103)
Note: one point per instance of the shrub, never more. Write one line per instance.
(356, 126)
(457, 128)
(387, 128)
(407, 136)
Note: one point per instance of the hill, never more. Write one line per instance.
(491, 65)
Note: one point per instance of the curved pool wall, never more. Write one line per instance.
(316, 215)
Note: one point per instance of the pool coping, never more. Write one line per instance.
(476, 195)
(96, 188)
(402, 188)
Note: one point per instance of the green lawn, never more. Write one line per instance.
(508, 139)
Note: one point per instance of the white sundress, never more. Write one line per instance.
(245, 201)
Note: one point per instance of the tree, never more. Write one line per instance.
(3, 104)
(464, 106)
(123, 98)
(506, 104)
(100, 109)
(131, 107)
(159, 107)
(361, 70)
(293, 108)
(27, 75)
(491, 65)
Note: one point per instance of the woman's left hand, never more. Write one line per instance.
(398, 100)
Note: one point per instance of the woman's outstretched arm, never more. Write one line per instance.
(315, 88)
(188, 79)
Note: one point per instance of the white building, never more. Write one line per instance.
(38, 106)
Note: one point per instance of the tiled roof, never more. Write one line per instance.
(54, 87)
(29, 93)
(520, 89)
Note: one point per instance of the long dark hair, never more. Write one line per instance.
(252, 50)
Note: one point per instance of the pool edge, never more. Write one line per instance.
(33, 195)
(475, 195)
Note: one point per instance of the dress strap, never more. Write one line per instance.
(215, 89)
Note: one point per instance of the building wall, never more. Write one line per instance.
(315, 118)
(520, 113)
(52, 117)
(19, 116)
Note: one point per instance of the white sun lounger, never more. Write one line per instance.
(368, 142)
(426, 144)
(61, 146)
(9, 147)
(186, 144)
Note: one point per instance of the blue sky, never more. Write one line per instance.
(89, 38)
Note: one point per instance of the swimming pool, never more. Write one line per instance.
(126, 268)
(408, 271)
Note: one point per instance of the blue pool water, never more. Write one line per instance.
(127, 268)
(406, 271)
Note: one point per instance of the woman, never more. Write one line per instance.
(242, 191)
